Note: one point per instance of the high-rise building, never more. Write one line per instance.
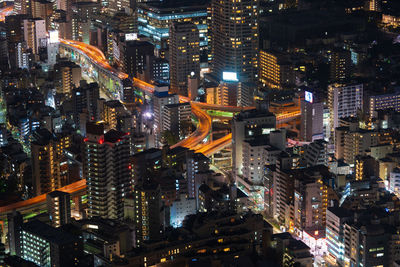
(160, 100)
(134, 55)
(81, 15)
(366, 167)
(59, 208)
(43, 9)
(84, 104)
(68, 74)
(248, 125)
(111, 110)
(14, 222)
(383, 101)
(335, 229)
(275, 69)
(316, 153)
(147, 212)
(312, 112)
(184, 55)
(47, 150)
(35, 34)
(22, 7)
(48, 246)
(341, 65)
(177, 119)
(107, 170)
(234, 30)
(156, 17)
(344, 101)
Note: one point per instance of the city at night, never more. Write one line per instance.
(191, 133)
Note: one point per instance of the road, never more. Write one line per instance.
(6, 11)
(195, 141)
(71, 188)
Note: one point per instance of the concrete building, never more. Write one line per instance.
(177, 119)
(35, 34)
(316, 153)
(340, 65)
(106, 166)
(160, 100)
(59, 208)
(275, 69)
(68, 75)
(47, 150)
(48, 246)
(248, 125)
(184, 56)
(335, 233)
(147, 212)
(344, 101)
(180, 208)
(234, 30)
(312, 112)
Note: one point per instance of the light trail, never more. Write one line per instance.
(6, 11)
(71, 188)
(194, 141)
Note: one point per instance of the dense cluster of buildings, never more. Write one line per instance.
(195, 133)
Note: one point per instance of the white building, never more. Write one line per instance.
(344, 101)
(180, 208)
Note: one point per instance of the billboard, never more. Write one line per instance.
(309, 97)
(130, 36)
(53, 37)
(229, 76)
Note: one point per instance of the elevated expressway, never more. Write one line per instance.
(112, 78)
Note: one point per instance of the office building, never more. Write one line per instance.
(259, 152)
(155, 19)
(383, 102)
(344, 101)
(59, 208)
(48, 246)
(234, 30)
(180, 208)
(184, 56)
(106, 166)
(312, 112)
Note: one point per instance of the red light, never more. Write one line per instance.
(101, 141)
(85, 139)
(130, 167)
